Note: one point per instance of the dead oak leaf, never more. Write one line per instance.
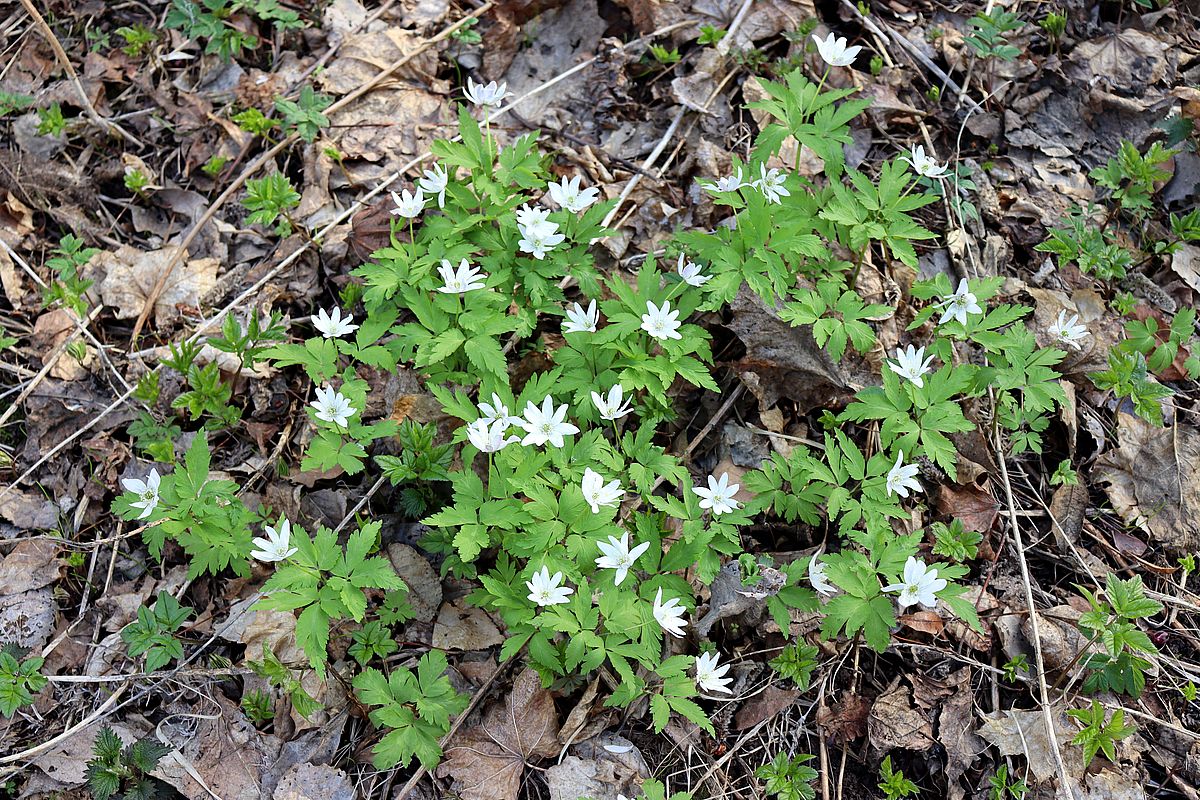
(488, 761)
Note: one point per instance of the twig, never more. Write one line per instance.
(1064, 789)
(49, 363)
(882, 30)
(69, 732)
(61, 56)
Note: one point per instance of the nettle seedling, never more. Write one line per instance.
(123, 771)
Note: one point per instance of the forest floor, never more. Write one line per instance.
(134, 140)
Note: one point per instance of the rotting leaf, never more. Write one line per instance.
(845, 720)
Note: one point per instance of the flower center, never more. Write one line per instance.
(149, 494)
(547, 428)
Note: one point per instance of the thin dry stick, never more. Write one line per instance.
(69, 732)
(1040, 665)
(61, 56)
(884, 31)
(270, 154)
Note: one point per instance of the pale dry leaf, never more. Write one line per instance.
(1018, 732)
(49, 332)
(125, 277)
(462, 627)
(1130, 59)
(314, 782)
(28, 510)
(365, 55)
(424, 586)
(956, 726)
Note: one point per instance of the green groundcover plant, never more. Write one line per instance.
(556, 496)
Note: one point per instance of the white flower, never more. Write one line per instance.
(147, 492)
(911, 363)
(545, 590)
(547, 424)
(568, 195)
(730, 183)
(771, 184)
(834, 51)
(1068, 331)
(489, 438)
(435, 182)
(902, 477)
(497, 411)
(539, 239)
(920, 584)
(924, 164)
(611, 408)
(709, 676)
(490, 96)
(719, 494)
(959, 304)
(598, 493)
(661, 323)
(531, 216)
(580, 321)
(333, 406)
(669, 614)
(275, 546)
(690, 272)
(462, 280)
(816, 577)
(618, 556)
(333, 326)
(408, 205)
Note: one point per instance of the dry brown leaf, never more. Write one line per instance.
(462, 627)
(846, 719)
(895, 721)
(972, 504)
(781, 360)
(1018, 732)
(124, 279)
(1153, 482)
(771, 701)
(487, 761)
